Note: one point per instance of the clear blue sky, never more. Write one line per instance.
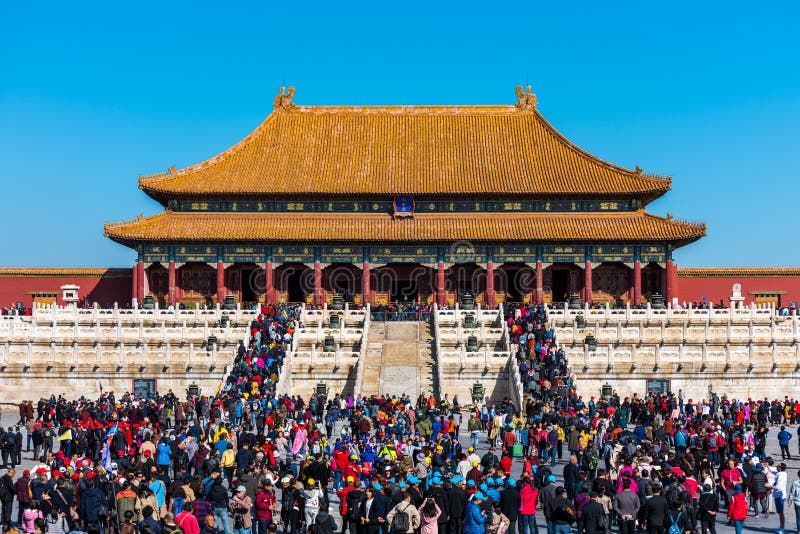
(91, 96)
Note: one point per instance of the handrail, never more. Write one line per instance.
(438, 348)
(362, 354)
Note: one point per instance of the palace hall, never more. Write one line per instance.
(404, 203)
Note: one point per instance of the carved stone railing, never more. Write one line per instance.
(752, 313)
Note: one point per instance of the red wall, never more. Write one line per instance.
(716, 284)
(104, 286)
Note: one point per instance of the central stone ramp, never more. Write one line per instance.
(400, 359)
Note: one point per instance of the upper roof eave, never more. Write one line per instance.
(177, 183)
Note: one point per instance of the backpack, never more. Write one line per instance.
(177, 505)
(353, 501)
(712, 442)
(607, 450)
(593, 461)
(401, 522)
(675, 495)
(674, 528)
(566, 513)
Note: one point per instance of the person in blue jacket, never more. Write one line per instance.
(474, 518)
(91, 499)
(163, 455)
(783, 442)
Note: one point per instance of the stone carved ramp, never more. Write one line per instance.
(400, 360)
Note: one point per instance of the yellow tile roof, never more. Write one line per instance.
(21, 272)
(238, 226)
(404, 149)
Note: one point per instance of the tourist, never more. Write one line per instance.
(783, 441)
(186, 519)
(404, 518)
(266, 505)
(737, 508)
(779, 494)
(474, 516)
(708, 507)
(594, 519)
(429, 513)
(29, 516)
(209, 527)
(373, 510)
(626, 506)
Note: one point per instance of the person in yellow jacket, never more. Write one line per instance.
(561, 436)
(226, 462)
(218, 433)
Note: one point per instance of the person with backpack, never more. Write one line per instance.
(404, 518)
(708, 506)
(323, 524)
(562, 513)
(351, 504)
(678, 522)
(594, 518)
(758, 487)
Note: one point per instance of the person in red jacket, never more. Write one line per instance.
(265, 506)
(737, 510)
(527, 509)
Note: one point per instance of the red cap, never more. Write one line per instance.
(147, 453)
(76, 476)
(26, 473)
(90, 475)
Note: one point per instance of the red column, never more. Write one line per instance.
(221, 293)
(269, 283)
(490, 284)
(637, 282)
(171, 282)
(587, 282)
(672, 281)
(140, 282)
(135, 282)
(366, 292)
(319, 297)
(441, 294)
(539, 283)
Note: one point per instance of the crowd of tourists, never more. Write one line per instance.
(246, 461)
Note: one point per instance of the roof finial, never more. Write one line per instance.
(637, 170)
(284, 99)
(526, 101)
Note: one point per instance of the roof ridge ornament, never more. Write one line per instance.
(284, 99)
(526, 101)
